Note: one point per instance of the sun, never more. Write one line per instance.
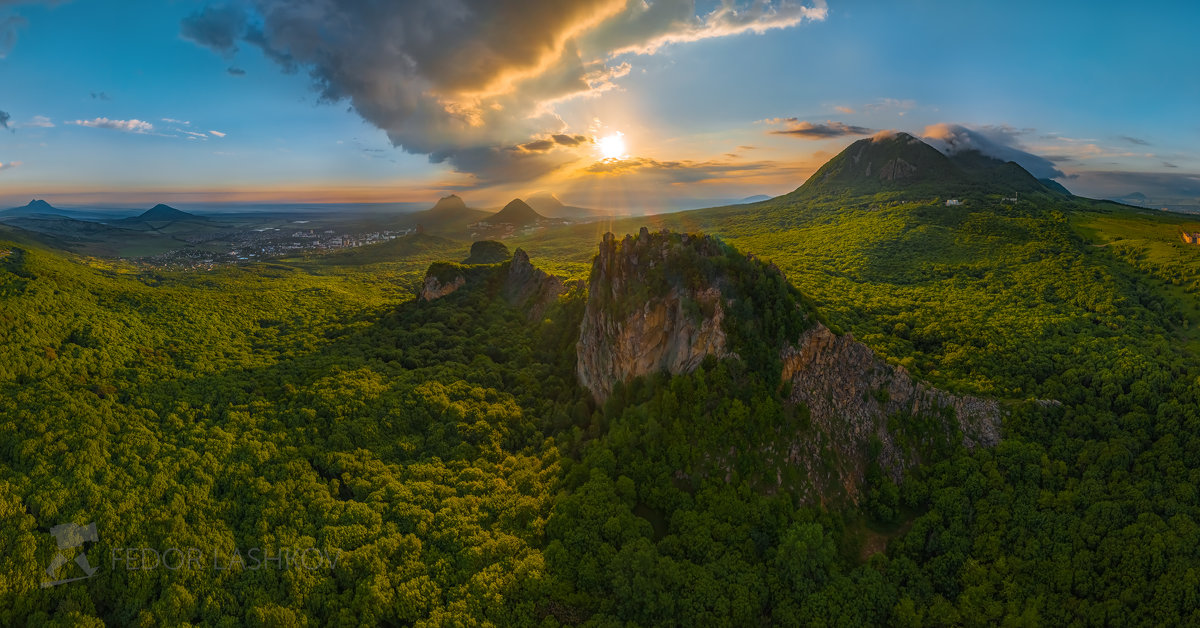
(612, 146)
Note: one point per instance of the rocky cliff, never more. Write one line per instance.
(862, 401)
(649, 311)
(517, 281)
(436, 287)
(629, 331)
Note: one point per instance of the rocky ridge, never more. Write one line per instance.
(517, 281)
(864, 410)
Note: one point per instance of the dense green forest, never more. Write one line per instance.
(445, 455)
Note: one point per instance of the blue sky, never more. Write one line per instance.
(419, 100)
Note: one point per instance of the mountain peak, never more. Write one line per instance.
(449, 203)
(517, 212)
(36, 206)
(544, 200)
(165, 213)
(550, 206)
(895, 161)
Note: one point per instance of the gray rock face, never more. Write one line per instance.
(659, 334)
(434, 288)
(852, 394)
(895, 170)
(861, 409)
(526, 285)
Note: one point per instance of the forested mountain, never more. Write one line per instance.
(899, 162)
(436, 428)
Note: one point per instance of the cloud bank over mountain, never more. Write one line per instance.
(1000, 142)
(473, 83)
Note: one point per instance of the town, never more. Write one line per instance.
(239, 247)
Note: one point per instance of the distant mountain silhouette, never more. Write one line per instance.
(165, 213)
(1134, 198)
(36, 206)
(517, 212)
(547, 204)
(757, 198)
(449, 214)
(452, 203)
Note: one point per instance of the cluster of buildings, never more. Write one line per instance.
(260, 244)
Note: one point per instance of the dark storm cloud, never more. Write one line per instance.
(571, 140)
(558, 139)
(4, 118)
(216, 27)
(808, 130)
(1000, 142)
(464, 81)
(236, 71)
(1133, 140)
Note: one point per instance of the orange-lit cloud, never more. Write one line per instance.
(463, 82)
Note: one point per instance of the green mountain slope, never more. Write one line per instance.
(906, 167)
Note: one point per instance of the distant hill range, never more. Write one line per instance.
(901, 162)
(79, 231)
(548, 205)
(757, 198)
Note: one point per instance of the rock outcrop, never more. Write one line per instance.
(488, 252)
(530, 287)
(861, 410)
(517, 281)
(849, 391)
(436, 288)
(661, 332)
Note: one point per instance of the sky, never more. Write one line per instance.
(621, 104)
